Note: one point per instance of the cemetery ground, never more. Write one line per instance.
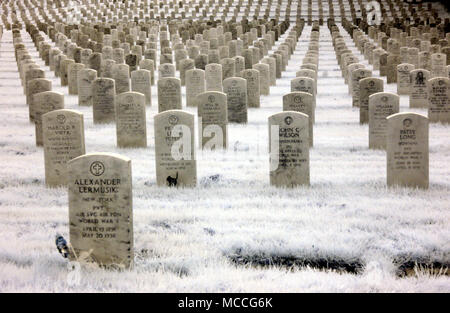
(234, 232)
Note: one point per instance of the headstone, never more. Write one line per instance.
(132, 61)
(64, 71)
(32, 73)
(85, 80)
(424, 60)
(185, 65)
(404, 78)
(213, 114)
(141, 82)
(438, 65)
(248, 58)
(438, 100)
(381, 105)
(236, 90)
(148, 65)
(63, 140)
(58, 64)
(391, 70)
(85, 54)
(407, 150)
(169, 94)
(305, 84)
(103, 96)
(272, 69)
(45, 102)
(101, 209)
(131, 129)
(356, 76)
(166, 70)
(310, 74)
(418, 97)
(121, 75)
(239, 64)
(213, 56)
(367, 87)
(195, 85)
(413, 56)
(228, 68)
(95, 62)
(253, 84)
(213, 76)
(165, 58)
(264, 78)
(118, 55)
(303, 102)
(175, 149)
(107, 68)
(36, 86)
(74, 68)
(289, 149)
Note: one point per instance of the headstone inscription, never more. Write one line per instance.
(45, 102)
(289, 149)
(264, 78)
(169, 94)
(141, 82)
(303, 102)
(236, 90)
(305, 84)
(213, 120)
(101, 209)
(63, 140)
(356, 77)
(85, 79)
(407, 150)
(121, 75)
(131, 129)
(404, 78)
(34, 87)
(367, 87)
(438, 100)
(213, 76)
(175, 149)
(72, 77)
(166, 70)
(418, 97)
(195, 85)
(103, 97)
(381, 105)
(253, 84)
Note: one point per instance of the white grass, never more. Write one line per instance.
(182, 236)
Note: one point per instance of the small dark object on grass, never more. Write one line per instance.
(61, 245)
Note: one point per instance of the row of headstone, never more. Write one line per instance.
(426, 82)
(110, 241)
(59, 131)
(103, 104)
(404, 136)
(103, 97)
(302, 97)
(85, 81)
(359, 79)
(101, 225)
(100, 184)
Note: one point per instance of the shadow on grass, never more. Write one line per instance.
(405, 268)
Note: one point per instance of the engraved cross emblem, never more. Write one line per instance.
(97, 168)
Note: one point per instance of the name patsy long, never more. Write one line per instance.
(92, 185)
